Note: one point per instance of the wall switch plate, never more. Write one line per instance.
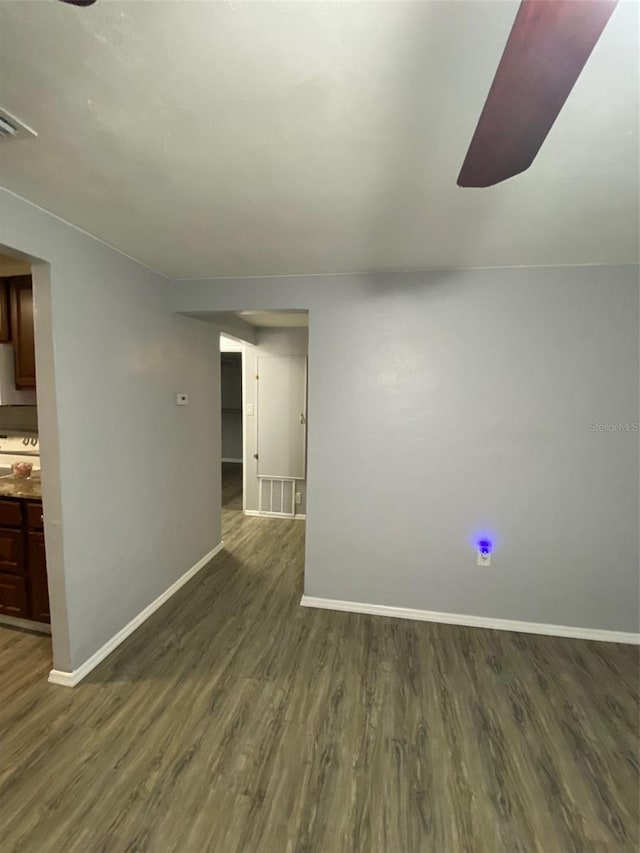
(298, 498)
(249, 408)
(182, 399)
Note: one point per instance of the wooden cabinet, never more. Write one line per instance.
(5, 324)
(10, 513)
(38, 589)
(34, 515)
(11, 551)
(23, 566)
(13, 596)
(22, 330)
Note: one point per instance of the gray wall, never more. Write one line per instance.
(21, 418)
(137, 493)
(446, 404)
(270, 342)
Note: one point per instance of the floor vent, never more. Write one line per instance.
(277, 497)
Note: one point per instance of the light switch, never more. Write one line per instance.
(249, 408)
(182, 399)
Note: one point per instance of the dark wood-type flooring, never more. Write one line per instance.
(235, 721)
(232, 485)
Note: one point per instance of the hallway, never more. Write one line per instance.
(232, 485)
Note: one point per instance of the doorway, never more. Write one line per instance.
(264, 363)
(24, 583)
(232, 430)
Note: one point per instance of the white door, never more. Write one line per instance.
(282, 416)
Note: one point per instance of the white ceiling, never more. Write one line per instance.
(211, 138)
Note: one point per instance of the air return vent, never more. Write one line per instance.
(277, 497)
(13, 128)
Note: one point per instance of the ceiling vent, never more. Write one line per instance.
(13, 128)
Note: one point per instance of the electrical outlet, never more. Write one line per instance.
(484, 553)
(298, 498)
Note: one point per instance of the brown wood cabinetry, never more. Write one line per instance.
(38, 589)
(5, 324)
(11, 551)
(34, 516)
(13, 595)
(22, 330)
(10, 513)
(23, 567)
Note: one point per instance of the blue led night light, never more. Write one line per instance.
(484, 546)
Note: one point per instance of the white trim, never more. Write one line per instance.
(64, 679)
(70, 679)
(301, 516)
(259, 514)
(27, 624)
(472, 621)
(229, 459)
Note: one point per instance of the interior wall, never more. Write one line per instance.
(448, 404)
(131, 482)
(270, 342)
(20, 418)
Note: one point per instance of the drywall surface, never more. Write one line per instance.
(131, 481)
(449, 404)
(22, 418)
(270, 342)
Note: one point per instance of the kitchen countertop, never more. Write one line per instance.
(29, 489)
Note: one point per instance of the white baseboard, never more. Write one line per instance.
(70, 679)
(230, 459)
(27, 624)
(65, 679)
(259, 514)
(472, 621)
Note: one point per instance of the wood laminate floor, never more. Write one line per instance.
(235, 721)
(232, 485)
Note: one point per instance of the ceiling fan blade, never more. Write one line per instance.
(79, 2)
(547, 49)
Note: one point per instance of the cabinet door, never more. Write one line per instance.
(22, 331)
(34, 515)
(13, 596)
(5, 325)
(11, 551)
(38, 589)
